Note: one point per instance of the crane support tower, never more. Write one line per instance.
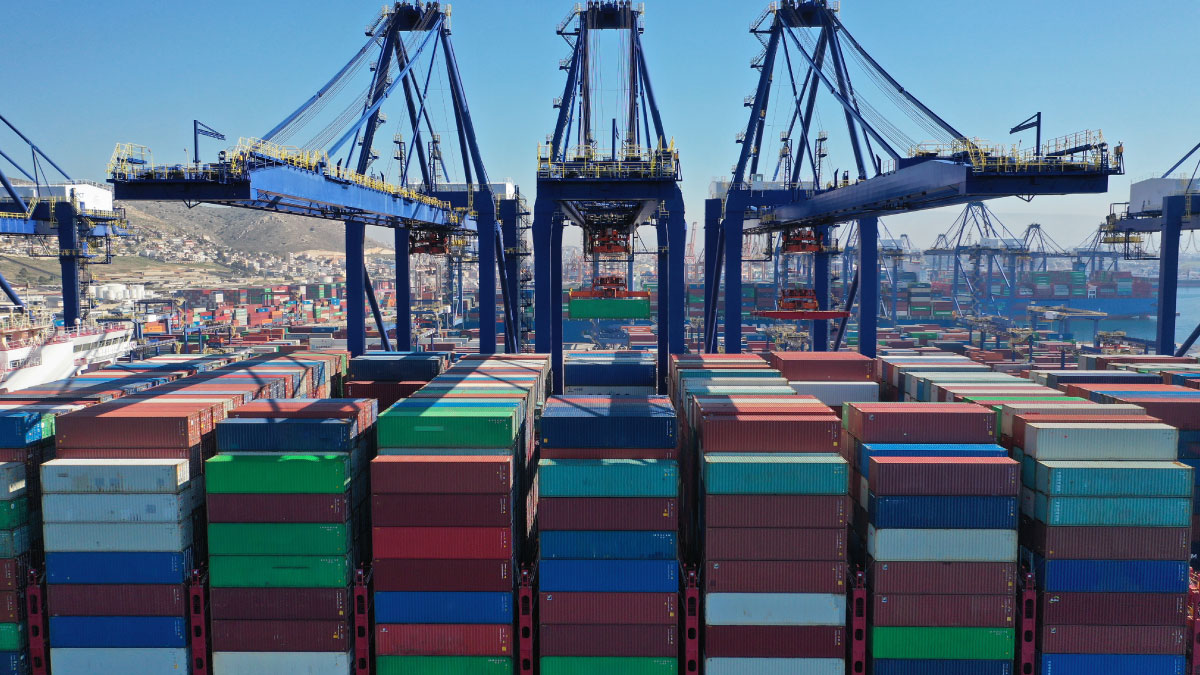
(608, 192)
(404, 44)
(807, 36)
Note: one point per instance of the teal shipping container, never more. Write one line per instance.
(1114, 511)
(1108, 479)
(775, 474)
(607, 478)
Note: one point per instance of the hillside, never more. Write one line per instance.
(242, 230)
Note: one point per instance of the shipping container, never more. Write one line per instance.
(898, 545)
(774, 609)
(608, 608)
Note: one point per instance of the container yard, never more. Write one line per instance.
(538, 433)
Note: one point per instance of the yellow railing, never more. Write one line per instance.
(631, 161)
(1089, 153)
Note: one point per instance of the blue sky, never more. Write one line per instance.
(83, 75)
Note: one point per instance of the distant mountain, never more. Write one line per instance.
(243, 230)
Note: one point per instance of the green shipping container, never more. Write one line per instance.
(277, 474)
(278, 571)
(1107, 479)
(607, 665)
(14, 513)
(607, 478)
(608, 308)
(903, 642)
(1114, 511)
(448, 427)
(775, 474)
(441, 665)
(12, 637)
(305, 539)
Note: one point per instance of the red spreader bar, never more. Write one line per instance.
(362, 622)
(691, 622)
(803, 314)
(858, 624)
(1027, 628)
(525, 622)
(35, 617)
(198, 624)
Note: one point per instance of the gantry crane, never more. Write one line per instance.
(84, 233)
(976, 248)
(400, 53)
(608, 192)
(955, 170)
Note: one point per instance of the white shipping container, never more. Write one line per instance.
(1010, 410)
(864, 492)
(898, 545)
(68, 507)
(838, 393)
(119, 661)
(765, 666)
(12, 480)
(114, 475)
(114, 537)
(289, 663)
(775, 609)
(1095, 441)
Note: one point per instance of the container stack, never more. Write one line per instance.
(286, 511)
(119, 548)
(1108, 537)
(608, 570)
(625, 372)
(606, 506)
(949, 515)
(833, 378)
(391, 377)
(444, 539)
(774, 563)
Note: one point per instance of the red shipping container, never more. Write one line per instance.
(363, 410)
(608, 640)
(450, 474)
(929, 578)
(827, 366)
(283, 604)
(1113, 640)
(921, 422)
(415, 639)
(12, 606)
(469, 543)
(778, 642)
(1117, 609)
(775, 576)
(441, 510)
(280, 636)
(984, 476)
(1181, 413)
(128, 428)
(775, 544)
(115, 600)
(608, 513)
(979, 611)
(775, 510)
(608, 608)
(610, 453)
(385, 392)
(13, 574)
(1108, 543)
(769, 433)
(278, 508)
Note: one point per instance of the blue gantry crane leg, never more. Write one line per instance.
(956, 172)
(268, 175)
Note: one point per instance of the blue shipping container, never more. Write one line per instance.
(443, 607)
(609, 576)
(868, 450)
(940, 667)
(256, 434)
(623, 422)
(1113, 664)
(983, 513)
(1112, 576)
(20, 428)
(397, 367)
(607, 545)
(118, 568)
(616, 373)
(118, 631)
(13, 663)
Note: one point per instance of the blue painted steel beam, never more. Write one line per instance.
(712, 267)
(868, 268)
(69, 253)
(12, 192)
(404, 328)
(11, 292)
(509, 215)
(369, 287)
(735, 209)
(356, 329)
(1168, 271)
(820, 329)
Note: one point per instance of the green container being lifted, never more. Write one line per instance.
(906, 642)
(278, 571)
(608, 308)
(607, 665)
(440, 665)
(306, 539)
(277, 474)
(608, 478)
(14, 513)
(12, 637)
(449, 427)
(775, 474)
